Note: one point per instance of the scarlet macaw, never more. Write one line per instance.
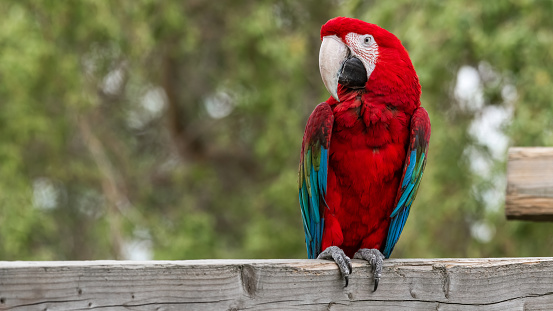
(364, 150)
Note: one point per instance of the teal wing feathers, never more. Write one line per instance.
(312, 179)
(415, 162)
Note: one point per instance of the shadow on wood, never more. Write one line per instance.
(407, 284)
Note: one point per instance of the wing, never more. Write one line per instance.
(312, 176)
(413, 169)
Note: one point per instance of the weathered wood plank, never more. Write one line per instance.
(530, 184)
(409, 284)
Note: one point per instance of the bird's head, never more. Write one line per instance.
(358, 56)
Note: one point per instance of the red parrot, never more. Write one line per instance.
(364, 150)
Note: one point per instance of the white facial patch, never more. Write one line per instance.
(365, 48)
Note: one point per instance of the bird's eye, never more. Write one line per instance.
(367, 40)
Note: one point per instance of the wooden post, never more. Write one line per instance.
(406, 284)
(530, 184)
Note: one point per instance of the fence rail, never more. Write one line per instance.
(530, 184)
(406, 284)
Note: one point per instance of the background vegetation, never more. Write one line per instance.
(171, 129)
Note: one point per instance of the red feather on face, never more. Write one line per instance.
(378, 141)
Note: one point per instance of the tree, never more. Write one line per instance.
(173, 128)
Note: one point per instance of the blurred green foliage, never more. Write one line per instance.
(173, 128)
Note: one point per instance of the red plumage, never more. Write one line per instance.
(366, 157)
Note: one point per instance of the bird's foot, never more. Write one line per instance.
(337, 254)
(375, 259)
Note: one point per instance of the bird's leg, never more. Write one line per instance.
(337, 254)
(375, 259)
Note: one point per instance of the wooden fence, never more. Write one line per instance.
(530, 184)
(406, 284)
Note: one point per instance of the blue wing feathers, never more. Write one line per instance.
(401, 211)
(322, 171)
(404, 197)
(311, 199)
(318, 190)
(313, 176)
(305, 216)
(303, 201)
(415, 162)
(410, 168)
(314, 195)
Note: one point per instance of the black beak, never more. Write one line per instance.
(353, 74)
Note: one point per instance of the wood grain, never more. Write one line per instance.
(408, 284)
(530, 184)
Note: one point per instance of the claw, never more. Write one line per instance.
(340, 258)
(375, 259)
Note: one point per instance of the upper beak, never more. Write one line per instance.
(332, 55)
(337, 65)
